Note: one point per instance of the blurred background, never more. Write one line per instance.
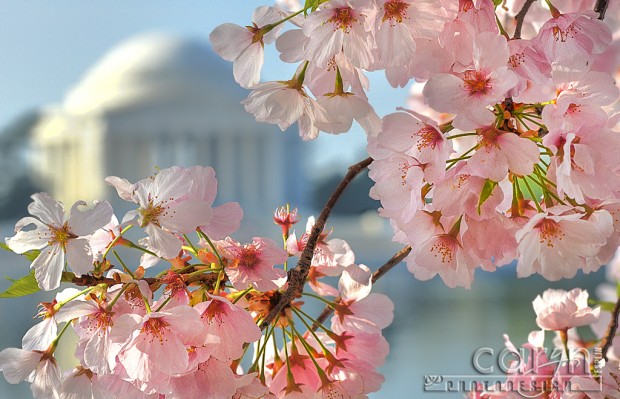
(91, 90)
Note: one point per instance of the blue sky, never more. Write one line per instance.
(48, 46)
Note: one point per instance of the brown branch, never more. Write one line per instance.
(520, 18)
(88, 280)
(387, 266)
(297, 276)
(611, 330)
(601, 7)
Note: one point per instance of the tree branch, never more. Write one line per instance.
(611, 330)
(520, 18)
(297, 276)
(387, 266)
(601, 7)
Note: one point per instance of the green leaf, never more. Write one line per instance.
(32, 255)
(5, 247)
(487, 189)
(311, 5)
(23, 286)
(605, 306)
(497, 2)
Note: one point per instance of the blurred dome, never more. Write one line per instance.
(149, 68)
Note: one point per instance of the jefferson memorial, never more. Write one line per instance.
(158, 100)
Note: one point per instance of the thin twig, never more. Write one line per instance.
(387, 266)
(601, 7)
(297, 276)
(520, 18)
(611, 330)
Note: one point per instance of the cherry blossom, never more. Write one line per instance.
(244, 46)
(561, 310)
(57, 235)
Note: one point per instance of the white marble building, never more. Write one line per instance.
(156, 101)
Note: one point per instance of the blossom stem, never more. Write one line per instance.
(461, 135)
(241, 295)
(262, 347)
(164, 303)
(541, 173)
(339, 86)
(529, 189)
(54, 343)
(308, 348)
(83, 292)
(190, 243)
(289, 373)
(520, 119)
(124, 265)
(146, 304)
(564, 337)
(315, 323)
(548, 192)
(555, 13)
(131, 244)
(311, 330)
(118, 295)
(115, 240)
(208, 240)
(298, 275)
(299, 80)
(320, 298)
(216, 290)
(501, 28)
(532, 120)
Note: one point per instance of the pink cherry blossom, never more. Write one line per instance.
(417, 136)
(484, 83)
(156, 344)
(579, 98)
(57, 234)
(166, 210)
(284, 103)
(560, 310)
(501, 152)
(212, 380)
(360, 310)
(227, 327)
(340, 25)
(253, 264)
(244, 46)
(556, 246)
(342, 108)
(573, 38)
(37, 367)
(400, 23)
(226, 217)
(82, 383)
(584, 166)
(398, 183)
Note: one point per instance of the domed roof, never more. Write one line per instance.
(151, 67)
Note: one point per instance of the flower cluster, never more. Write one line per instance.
(185, 332)
(510, 151)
